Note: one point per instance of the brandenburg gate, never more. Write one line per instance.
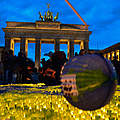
(46, 30)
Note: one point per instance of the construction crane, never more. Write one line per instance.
(76, 12)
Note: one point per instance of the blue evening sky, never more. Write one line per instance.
(103, 16)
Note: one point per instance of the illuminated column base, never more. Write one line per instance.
(81, 45)
(104, 55)
(112, 55)
(70, 49)
(119, 55)
(12, 45)
(26, 48)
(108, 54)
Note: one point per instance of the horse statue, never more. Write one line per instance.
(45, 17)
(56, 17)
(40, 17)
(49, 16)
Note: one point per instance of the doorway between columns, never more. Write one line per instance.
(31, 51)
(16, 48)
(64, 47)
(76, 49)
(46, 48)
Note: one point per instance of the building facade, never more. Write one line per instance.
(111, 52)
(46, 32)
(69, 85)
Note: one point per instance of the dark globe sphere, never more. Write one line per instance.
(88, 81)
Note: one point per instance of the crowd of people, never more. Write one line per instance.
(20, 69)
(14, 69)
(50, 70)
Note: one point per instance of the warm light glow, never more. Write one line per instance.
(12, 45)
(26, 47)
(68, 51)
(29, 68)
(113, 53)
(117, 53)
(81, 45)
(104, 55)
(108, 56)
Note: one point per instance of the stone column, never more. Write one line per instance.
(113, 54)
(7, 43)
(57, 45)
(104, 55)
(37, 53)
(108, 56)
(119, 55)
(26, 48)
(12, 45)
(81, 45)
(24, 45)
(86, 45)
(70, 48)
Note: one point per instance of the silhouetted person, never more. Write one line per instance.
(119, 74)
(76, 54)
(1, 71)
(82, 52)
(14, 77)
(43, 62)
(11, 53)
(5, 63)
(10, 65)
(52, 67)
(35, 77)
(116, 64)
(21, 61)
